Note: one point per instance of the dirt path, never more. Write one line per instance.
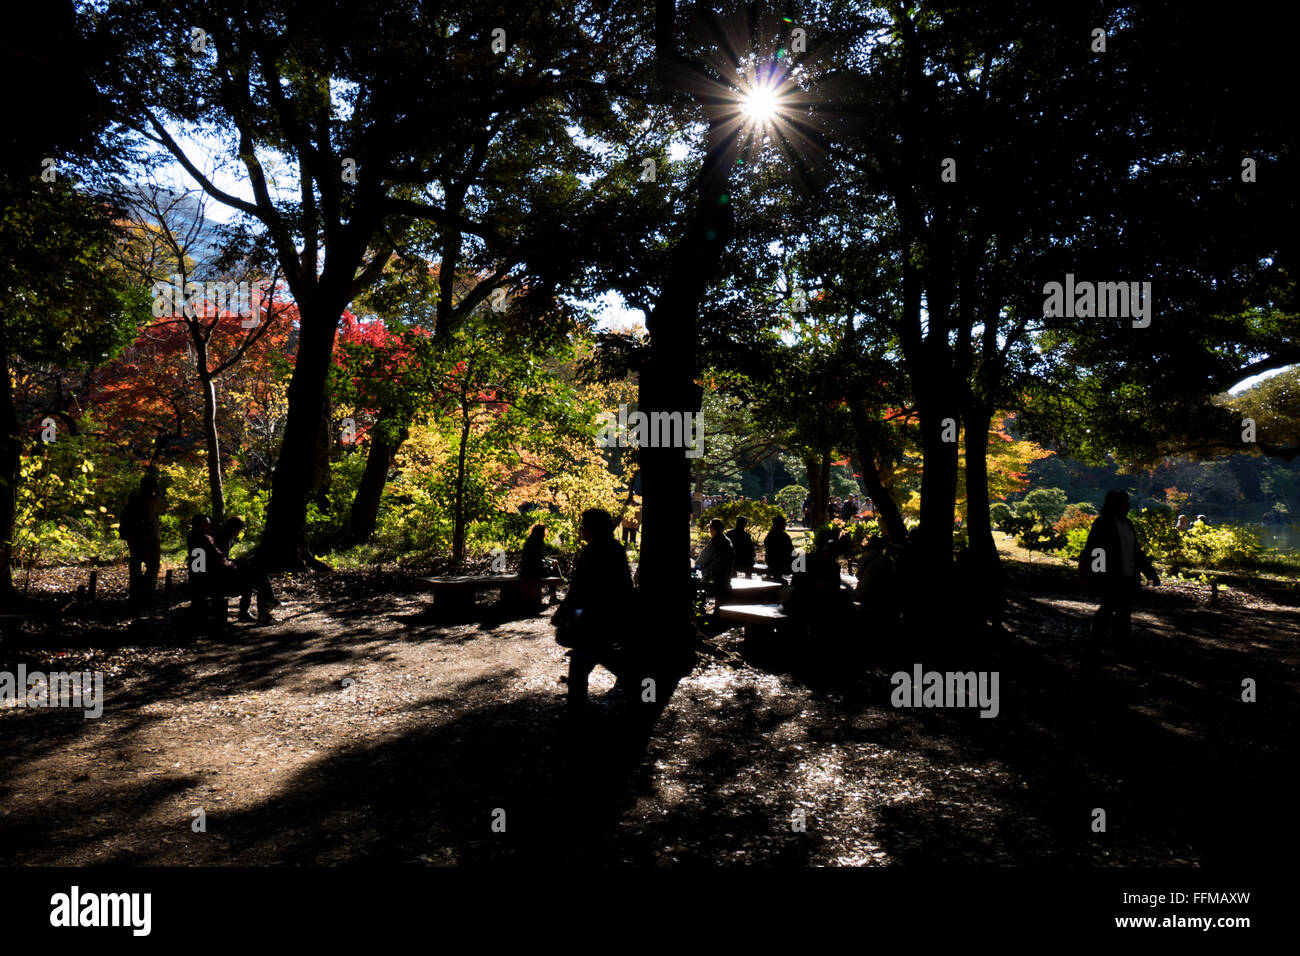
(357, 729)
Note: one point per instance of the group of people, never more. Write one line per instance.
(212, 570)
(214, 573)
(844, 509)
(1184, 524)
(733, 552)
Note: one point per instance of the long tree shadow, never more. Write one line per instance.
(513, 781)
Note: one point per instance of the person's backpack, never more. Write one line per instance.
(131, 523)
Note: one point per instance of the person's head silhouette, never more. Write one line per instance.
(597, 524)
(1116, 504)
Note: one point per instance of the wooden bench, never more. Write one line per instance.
(459, 591)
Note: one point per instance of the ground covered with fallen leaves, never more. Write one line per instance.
(360, 728)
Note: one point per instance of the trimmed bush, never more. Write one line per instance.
(758, 515)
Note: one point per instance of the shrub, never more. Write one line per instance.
(1040, 538)
(1155, 529)
(1222, 546)
(1075, 539)
(1074, 517)
(756, 513)
(1044, 505)
(790, 499)
(999, 512)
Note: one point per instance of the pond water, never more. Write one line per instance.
(1279, 537)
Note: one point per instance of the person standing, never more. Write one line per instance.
(598, 598)
(1110, 565)
(142, 531)
(631, 521)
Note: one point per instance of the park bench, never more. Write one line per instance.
(761, 620)
(459, 591)
(751, 591)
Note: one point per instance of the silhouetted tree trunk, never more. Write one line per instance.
(888, 516)
(370, 491)
(284, 542)
(458, 516)
(818, 467)
(211, 440)
(978, 528)
(668, 379)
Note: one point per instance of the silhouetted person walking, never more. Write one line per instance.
(140, 528)
(600, 591)
(1110, 565)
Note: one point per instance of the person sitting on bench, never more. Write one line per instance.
(717, 560)
(743, 545)
(818, 591)
(249, 572)
(532, 562)
(214, 575)
(778, 549)
(875, 575)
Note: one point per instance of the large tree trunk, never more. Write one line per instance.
(668, 384)
(978, 528)
(818, 467)
(284, 542)
(938, 481)
(365, 504)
